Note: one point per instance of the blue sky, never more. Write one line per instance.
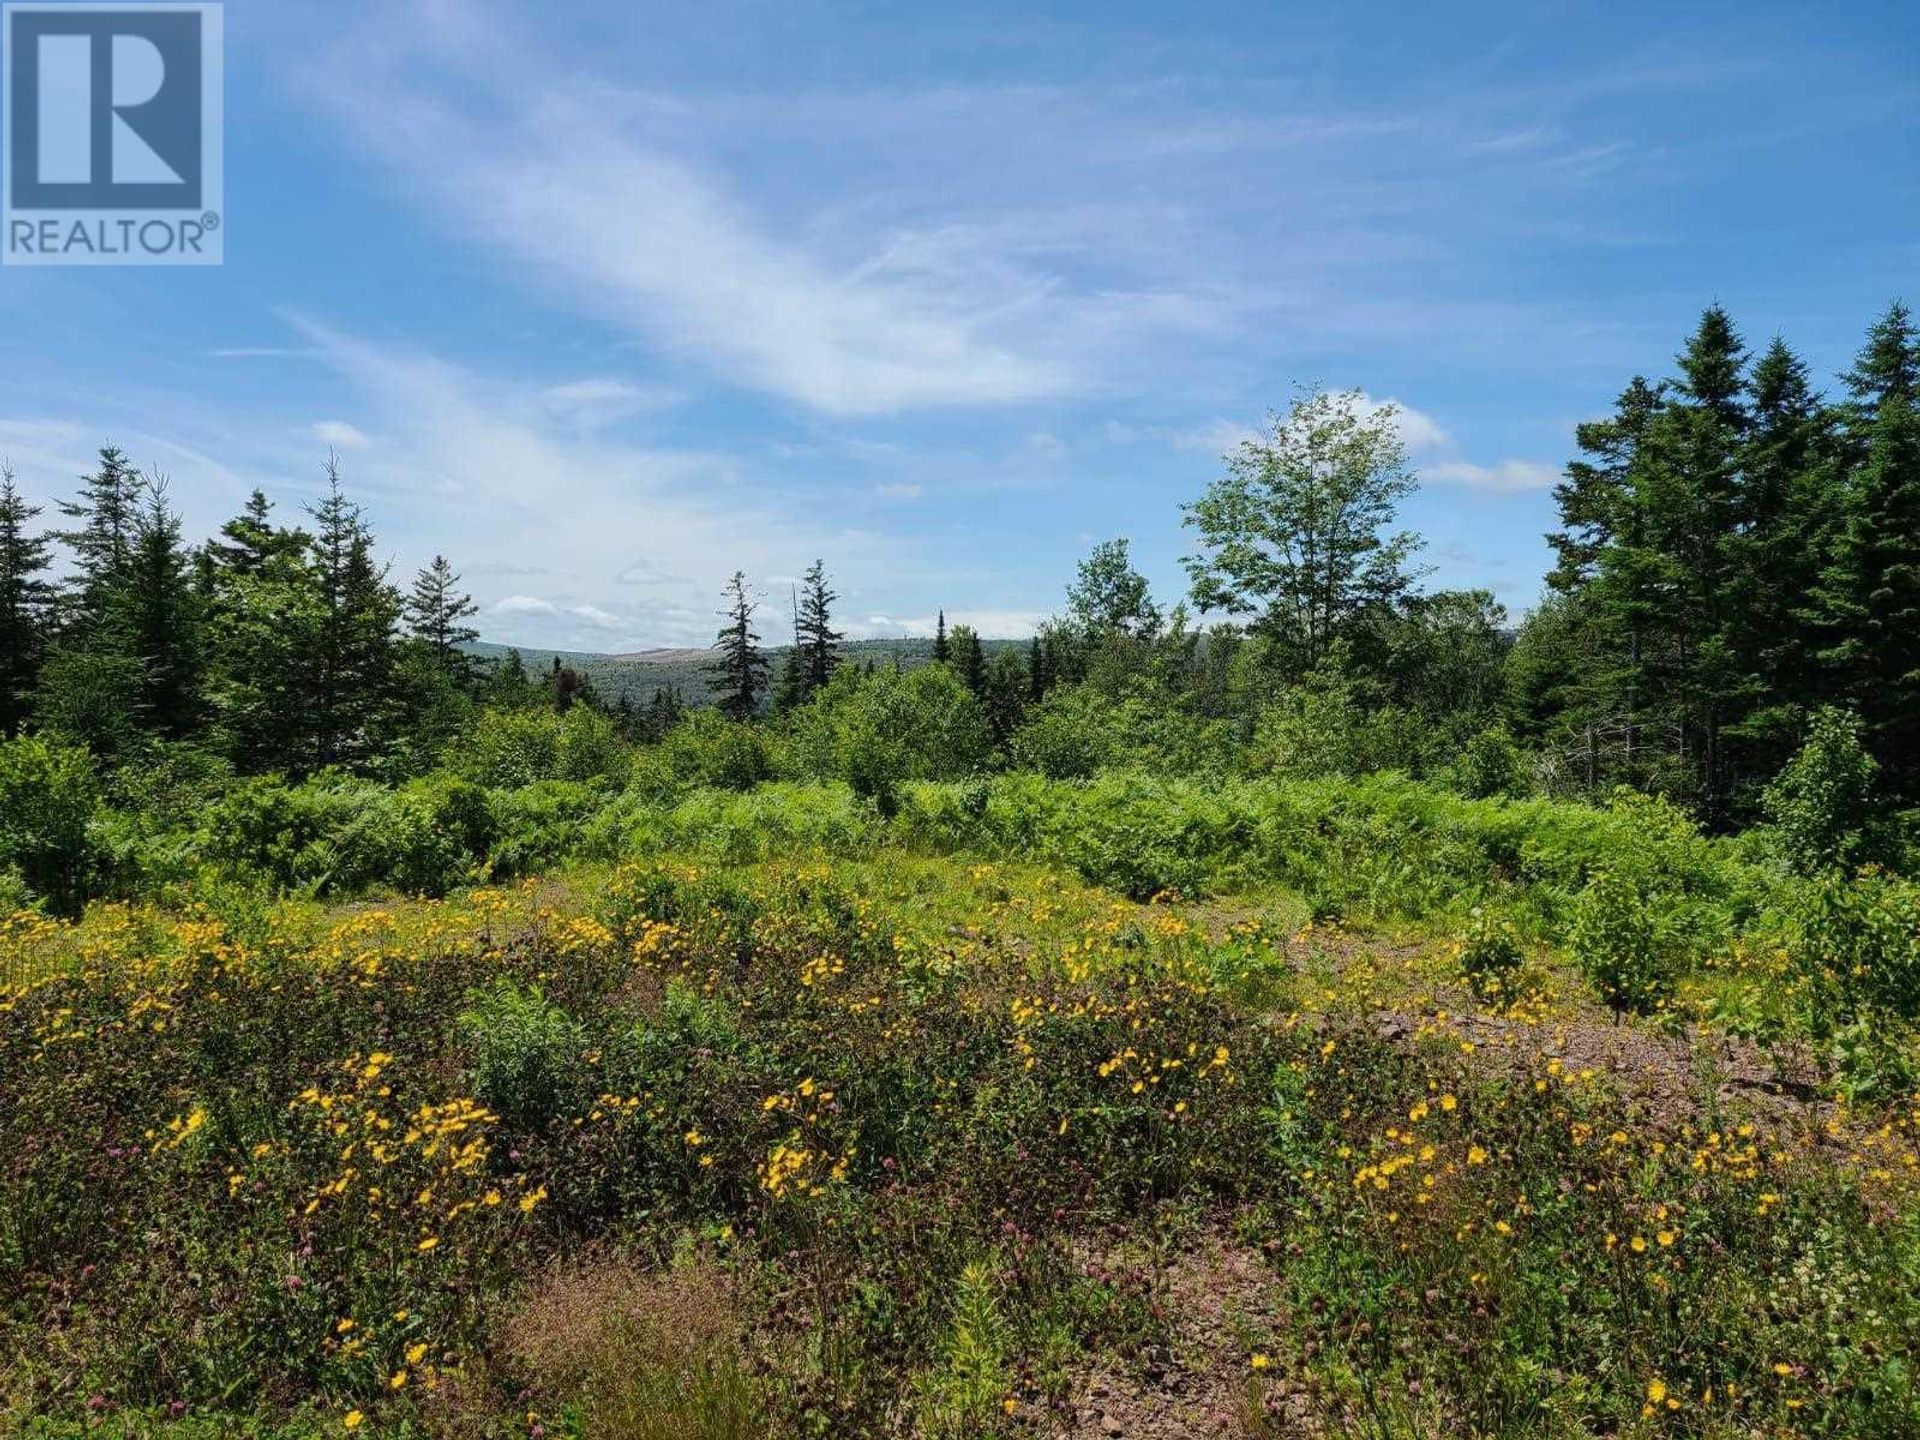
(606, 306)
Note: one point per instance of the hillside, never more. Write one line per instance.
(639, 673)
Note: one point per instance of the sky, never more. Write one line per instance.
(605, 301)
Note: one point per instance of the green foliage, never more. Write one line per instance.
(1853, 948)
(335, 834)
(878, 732)
(1490, 955)
(1323, 728)
(48, 795)
(704, 750)
(1492, 764)
(1617, 946)
(1819, 803)
(505, 749)
(961, 1399)
(523, 1053)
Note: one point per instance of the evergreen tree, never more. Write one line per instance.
(435, 613)
(157, 617)
(25, 602)
(942, 649)
(105, 514)
(353, 697)
(738, 673)
(251, 539)
(1039, 671)
(814, 634)
(1003, 694)
(1869, 595)
(1789, 516)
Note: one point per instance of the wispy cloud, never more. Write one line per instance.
(1507, 477)
(644, 536)
(340, 435)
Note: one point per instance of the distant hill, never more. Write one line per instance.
(641, 672)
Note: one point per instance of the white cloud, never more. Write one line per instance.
(899, 490)
(543, 168)
(1419, 431)
(1508, 477)
(644, 536)
(1216, 437)
(591, 403)
(340, 435)
(525, 605)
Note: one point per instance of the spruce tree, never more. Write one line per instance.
(105, 514)
(157, 618)
(251, 539)
(353, 699)
(25, 602)
(1039, 668)
(434, 614)
(942, 649)
(738, 673)
(814, 634)
(1869, 593)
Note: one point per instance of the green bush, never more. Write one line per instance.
(879, 732)
(1493, 764)
(48, 795)
(704, 749)
(1490, 955)
(508, 749)
(524, 1054)
(1820, 800)
(1617, 945)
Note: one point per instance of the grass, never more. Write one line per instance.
(902, 1143)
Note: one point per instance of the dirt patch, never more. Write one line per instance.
(1223, 1305)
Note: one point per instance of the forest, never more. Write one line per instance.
(1318, 1003)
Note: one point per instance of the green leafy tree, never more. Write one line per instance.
(1109, 597)
(48, 794)
(1821, 800)
(738, 673)
(1295, 534)
(969, 659)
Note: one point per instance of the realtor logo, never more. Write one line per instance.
(113, 146)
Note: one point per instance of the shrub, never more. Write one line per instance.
(508, 749)
(704, 749)
(48, 794)
(1616, 945)
(878, 732)
(525, 1053)
(1493, 764)
(1490, 955)
(1819, 801)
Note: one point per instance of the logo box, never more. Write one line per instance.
(112, 152)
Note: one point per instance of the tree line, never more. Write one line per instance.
(1735, 554)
